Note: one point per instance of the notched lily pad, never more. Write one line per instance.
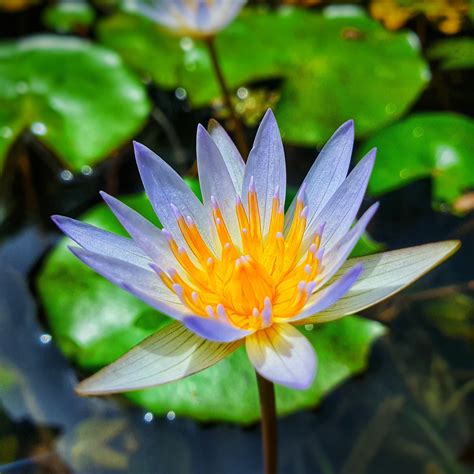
(77, 98)
(436, 145)
(73, 15)
(95, 322)
(322, 84)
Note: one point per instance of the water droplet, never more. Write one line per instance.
(22, 87)
(111, 59)
(86, 170)
(309, 327)
(242, 93)
(66, 175)
(426, 75)
(6, 132)
(180, 93)
(446, 157)
(171, 415)
(148, 417)
(186, 43)
(404, 173)
(418, 132)
(38, 128)
(413, 40)
(45, 338)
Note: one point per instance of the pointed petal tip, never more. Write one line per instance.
(57, 219)
(212, 125)
(201, 130)
(142, 152)
(347, 126)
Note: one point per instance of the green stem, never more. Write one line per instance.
(266, 393)
(236, 123)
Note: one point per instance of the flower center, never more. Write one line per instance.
(257, 279)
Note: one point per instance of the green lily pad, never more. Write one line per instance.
(68, 16)
(334, 66)
(453, 53)
(77, 98)
(95, 322)
(436, 145)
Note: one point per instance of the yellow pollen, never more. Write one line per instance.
(264, 279)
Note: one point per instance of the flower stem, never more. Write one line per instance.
(236, 124)
(266, 393)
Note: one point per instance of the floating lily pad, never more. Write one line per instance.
(436, 145)
(336, 65)
(79, 99)
(69, 16)
(453, 53)
(94, 322)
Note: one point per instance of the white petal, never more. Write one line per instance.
(327, 173)
(384, 274)
(169, 355)
(266, 164)
(283, 355)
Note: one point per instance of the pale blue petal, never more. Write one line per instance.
(330, 294)
(339, 253)
(130, 278)
(165, 187)
(213, 329)
(340, 211)
(266, 164)
(215, 181)
(283, 355)
(327, 173)
(150, 239)
(232, 158)
(100, 241)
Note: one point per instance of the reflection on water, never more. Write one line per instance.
(408, 413)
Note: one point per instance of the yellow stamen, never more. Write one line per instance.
(268, 279)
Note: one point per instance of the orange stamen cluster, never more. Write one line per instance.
(264, 279)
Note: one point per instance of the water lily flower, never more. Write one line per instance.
(195, 18)
(236, 269)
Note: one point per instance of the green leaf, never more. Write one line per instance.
(453, 53)
(94, 322)
(68, 16)
(333, 67)
(213, 394)
(436, 145)
(77, 98)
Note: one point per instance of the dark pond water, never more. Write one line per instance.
(412, 411)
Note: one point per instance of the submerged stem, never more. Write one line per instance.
(266, 393)
(237, 125)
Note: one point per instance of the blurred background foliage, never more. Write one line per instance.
(80, 80)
